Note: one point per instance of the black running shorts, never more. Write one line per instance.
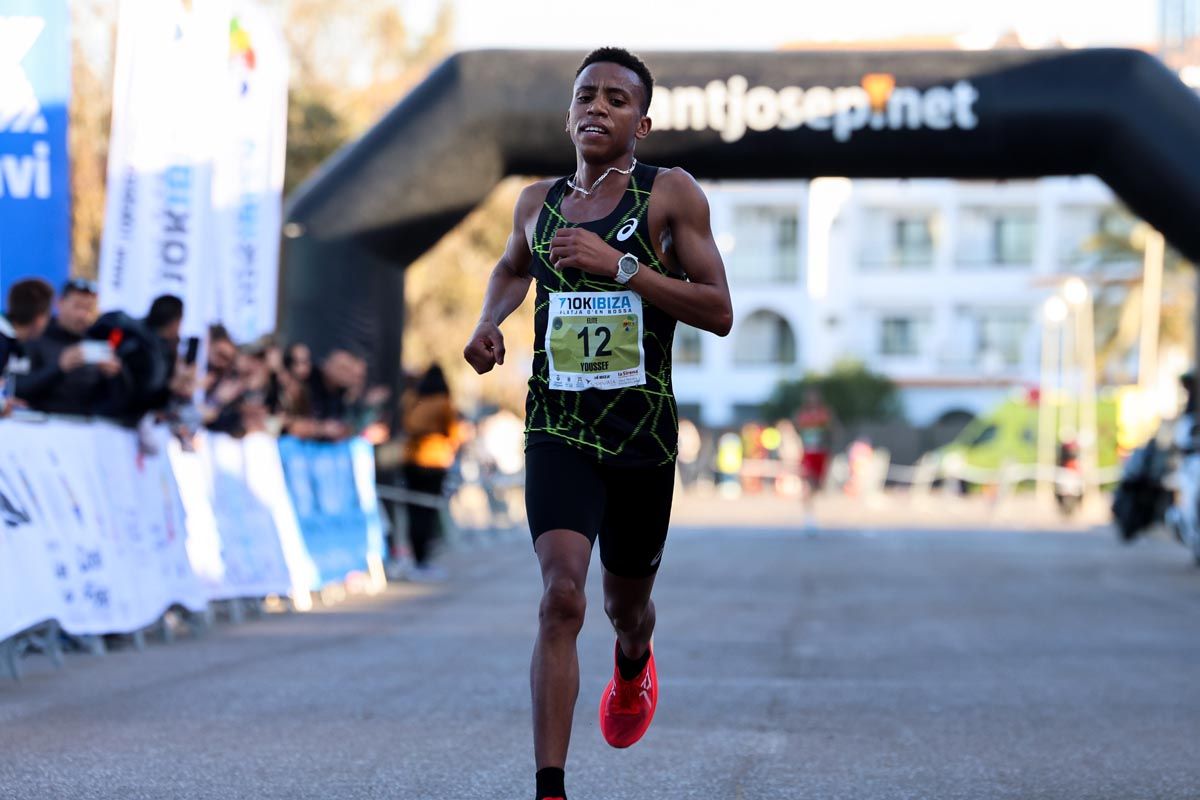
(628, 508)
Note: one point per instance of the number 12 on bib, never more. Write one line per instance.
(594, 341)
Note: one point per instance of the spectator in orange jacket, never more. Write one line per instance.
(432, 430)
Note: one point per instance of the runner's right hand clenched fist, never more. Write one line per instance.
(486, 348)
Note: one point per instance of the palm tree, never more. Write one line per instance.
(1113, 259)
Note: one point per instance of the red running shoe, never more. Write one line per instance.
(627, 707)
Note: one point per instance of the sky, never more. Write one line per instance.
(767, 24)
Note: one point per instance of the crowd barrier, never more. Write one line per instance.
(101, 538)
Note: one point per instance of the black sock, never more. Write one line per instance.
(628, 667)
(550, 783)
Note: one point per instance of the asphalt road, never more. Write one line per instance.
(840, 665)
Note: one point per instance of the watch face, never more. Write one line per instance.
(628, 264)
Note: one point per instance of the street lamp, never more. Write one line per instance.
(1080, 299)
(1152, 278)
(1075, 291)
(1054, 311)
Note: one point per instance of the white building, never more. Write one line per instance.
(938, 284)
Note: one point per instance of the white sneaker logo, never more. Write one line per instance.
(627, 230)
(20, 111)
(646, 687)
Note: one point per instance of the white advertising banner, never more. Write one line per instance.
(92, 533)
(248, 180)
(254, 563)
(266, 483)
(168, 121)
(104, 538)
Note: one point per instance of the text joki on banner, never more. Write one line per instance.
(195, 171)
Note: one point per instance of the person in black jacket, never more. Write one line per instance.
(66, 378)
(164, 321)
(28, 313)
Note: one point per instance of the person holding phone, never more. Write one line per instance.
(67, 377)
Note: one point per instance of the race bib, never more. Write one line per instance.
(594, 341)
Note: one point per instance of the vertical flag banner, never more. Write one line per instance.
(35, 84)
(168, 118)
(248, 182)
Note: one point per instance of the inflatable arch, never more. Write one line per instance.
(480, 116)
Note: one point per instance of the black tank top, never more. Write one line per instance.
(635, 425)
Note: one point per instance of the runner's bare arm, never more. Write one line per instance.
(703, 299)
(507, 286)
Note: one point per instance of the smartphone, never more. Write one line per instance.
(193, 350)
(96, 352)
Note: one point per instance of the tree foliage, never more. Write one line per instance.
(851, 391)
(90, 115)
(443, 295)
(1113, 265)
(347, 70)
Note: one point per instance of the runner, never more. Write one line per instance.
(813, 421)
(620, 251)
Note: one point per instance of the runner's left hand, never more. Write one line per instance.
(582, 249)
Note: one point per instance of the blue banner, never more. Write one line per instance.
(35, 85)
(334, 520)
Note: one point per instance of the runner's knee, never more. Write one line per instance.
(625, 616)
(563, 605)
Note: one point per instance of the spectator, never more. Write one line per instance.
(294, 394)
(430, 424)
(295, 400)
(689, 453)
(273, 358)
(814, 422)
(28, 308)
(164, 322)
(366, 405)
(254, 374)
(729, 464)
(222, 353)
(329, 390)
(222, 388)
(67, 377)
(501, 442)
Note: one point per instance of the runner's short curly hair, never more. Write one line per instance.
(621, 56)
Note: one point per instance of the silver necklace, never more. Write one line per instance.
(588, 192)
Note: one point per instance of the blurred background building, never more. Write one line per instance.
(1179, 37)
(937, 284)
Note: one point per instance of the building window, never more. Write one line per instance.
(1078, 227)
(995, 337)
(1001, 336)
(1094, 234)
(766, 245)
(1001, 237)
(902, 334)
(1178, 23)
(688, 345)
(897, 239)
(764, 338)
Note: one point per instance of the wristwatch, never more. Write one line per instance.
(627, 267)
